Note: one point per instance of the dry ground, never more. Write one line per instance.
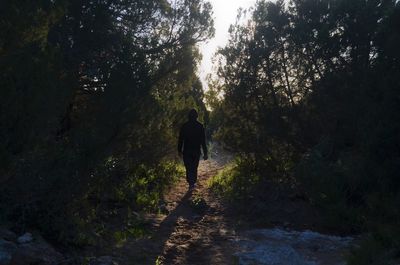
(199, 228)
(195, 231)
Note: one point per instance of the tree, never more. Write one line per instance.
(83, 99)
(314, 87)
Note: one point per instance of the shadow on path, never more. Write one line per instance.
(188, 234)
(196, 235)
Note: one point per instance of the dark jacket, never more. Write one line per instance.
(192, 137)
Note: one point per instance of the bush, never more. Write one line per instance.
(237, 181)
(71, 214)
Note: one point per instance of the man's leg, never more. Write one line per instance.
(188, 166)
(196, 159)
(191, 162)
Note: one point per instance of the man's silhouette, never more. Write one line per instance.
(191, 138)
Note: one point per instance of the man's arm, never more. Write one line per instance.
(204, 144)
(180, 141)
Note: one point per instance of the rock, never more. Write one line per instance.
(36, 252)
(283, 246)
(7, 250)
(272, 254)
(104, 260)
(7, 235)
(25, 238)
(27, 251)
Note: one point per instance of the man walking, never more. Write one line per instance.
(191, 138)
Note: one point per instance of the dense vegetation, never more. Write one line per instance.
(92, 93)
(307, 93)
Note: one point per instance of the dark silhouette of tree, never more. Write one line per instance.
(314, 88)
(88, 89)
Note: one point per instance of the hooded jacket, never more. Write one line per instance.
(192, 137)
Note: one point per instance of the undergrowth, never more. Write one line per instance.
(109, 210)
(376, 217)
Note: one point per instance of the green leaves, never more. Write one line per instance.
(311, 94)
(91, 93)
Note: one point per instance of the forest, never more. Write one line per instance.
(305, 96)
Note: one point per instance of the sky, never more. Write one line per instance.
(225, 12)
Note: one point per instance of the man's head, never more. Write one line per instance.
(193, 115)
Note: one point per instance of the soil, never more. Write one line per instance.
(195, 231)
(198, 227)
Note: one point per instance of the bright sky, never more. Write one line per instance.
(225, 12)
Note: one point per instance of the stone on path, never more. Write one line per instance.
(26, 250)
(25, 238)
(284, 247)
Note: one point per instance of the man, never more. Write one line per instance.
(191, 138)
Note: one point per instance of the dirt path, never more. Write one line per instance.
(195, 231)
(199, 232)
(199, 229)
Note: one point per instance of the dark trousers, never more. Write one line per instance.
(191, 161)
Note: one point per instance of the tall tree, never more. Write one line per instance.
(83, 104)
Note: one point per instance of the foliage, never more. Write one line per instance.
(92, 93)
(236, 181)
(198, 204)
(314, 87)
